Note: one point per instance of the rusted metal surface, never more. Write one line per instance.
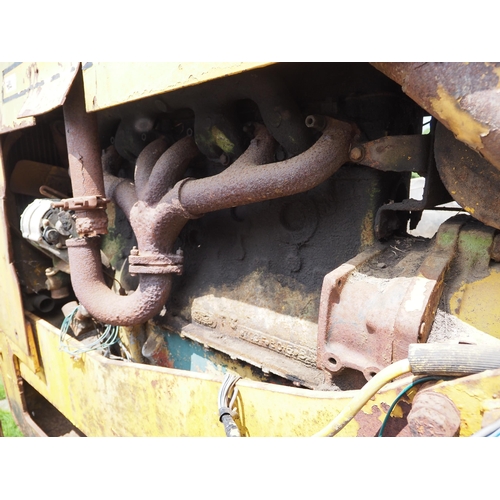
(367, 323)
(464, 97)
(103, 304)
(155, 350)
(472, 181)
(82, 203)
(249, 179)
(433, 415)
(156, 263)
(253, 347)
(84, 159)
(157, 221)
(406, 153)
(168, 170)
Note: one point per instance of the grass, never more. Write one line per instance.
(9, 427)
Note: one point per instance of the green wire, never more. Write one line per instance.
(105, 340)
(398, 398)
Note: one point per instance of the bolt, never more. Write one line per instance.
(50, 271)
(51, 236)
(356, 153)
(224, 159)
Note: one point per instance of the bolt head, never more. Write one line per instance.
(356, 154)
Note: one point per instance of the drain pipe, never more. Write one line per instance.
(157, 224)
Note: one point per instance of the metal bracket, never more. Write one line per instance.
(368, 322)
(82, 203)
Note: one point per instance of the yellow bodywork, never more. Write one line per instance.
(477, 304)
(103, 397)
(109, 84)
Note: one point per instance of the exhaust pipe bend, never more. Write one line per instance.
(248, 181)
(156, 232)
(157, 225)
(100, 301)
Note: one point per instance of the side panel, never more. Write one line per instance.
(109, 84)
(30, 89)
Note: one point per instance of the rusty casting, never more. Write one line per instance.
(433, 415)
(160, 202)
(366, 323)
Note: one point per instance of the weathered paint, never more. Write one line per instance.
(31, 89)
(477, 303)
(11, 307)
(466, 128)
(109, 84)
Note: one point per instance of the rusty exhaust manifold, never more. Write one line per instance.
(158, 218)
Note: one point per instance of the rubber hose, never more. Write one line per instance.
(452, 360)
(363, 396)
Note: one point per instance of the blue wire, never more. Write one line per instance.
(495, 434)
(399, 396)
(104, 341)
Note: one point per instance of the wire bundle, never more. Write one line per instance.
(226, 410)
(103, 342)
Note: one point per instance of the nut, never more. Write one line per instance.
(356, 153)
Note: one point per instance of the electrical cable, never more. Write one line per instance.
(104, 341)
(364, 394)
(226, 409)
(398, 398)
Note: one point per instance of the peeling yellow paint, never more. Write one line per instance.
(109, 84)
(477, 304)
(459, 121)
(469, 209)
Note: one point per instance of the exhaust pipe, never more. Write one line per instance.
(157, 220)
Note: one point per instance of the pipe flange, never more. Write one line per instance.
(155, 263)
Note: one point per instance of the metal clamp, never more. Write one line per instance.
(155, 263)
(94, 202)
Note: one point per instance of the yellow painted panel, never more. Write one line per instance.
(109, 84)
(477, 303)
(105, 397)
(30, 89)
(11, 307)
(13, 84)
(466, 128)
